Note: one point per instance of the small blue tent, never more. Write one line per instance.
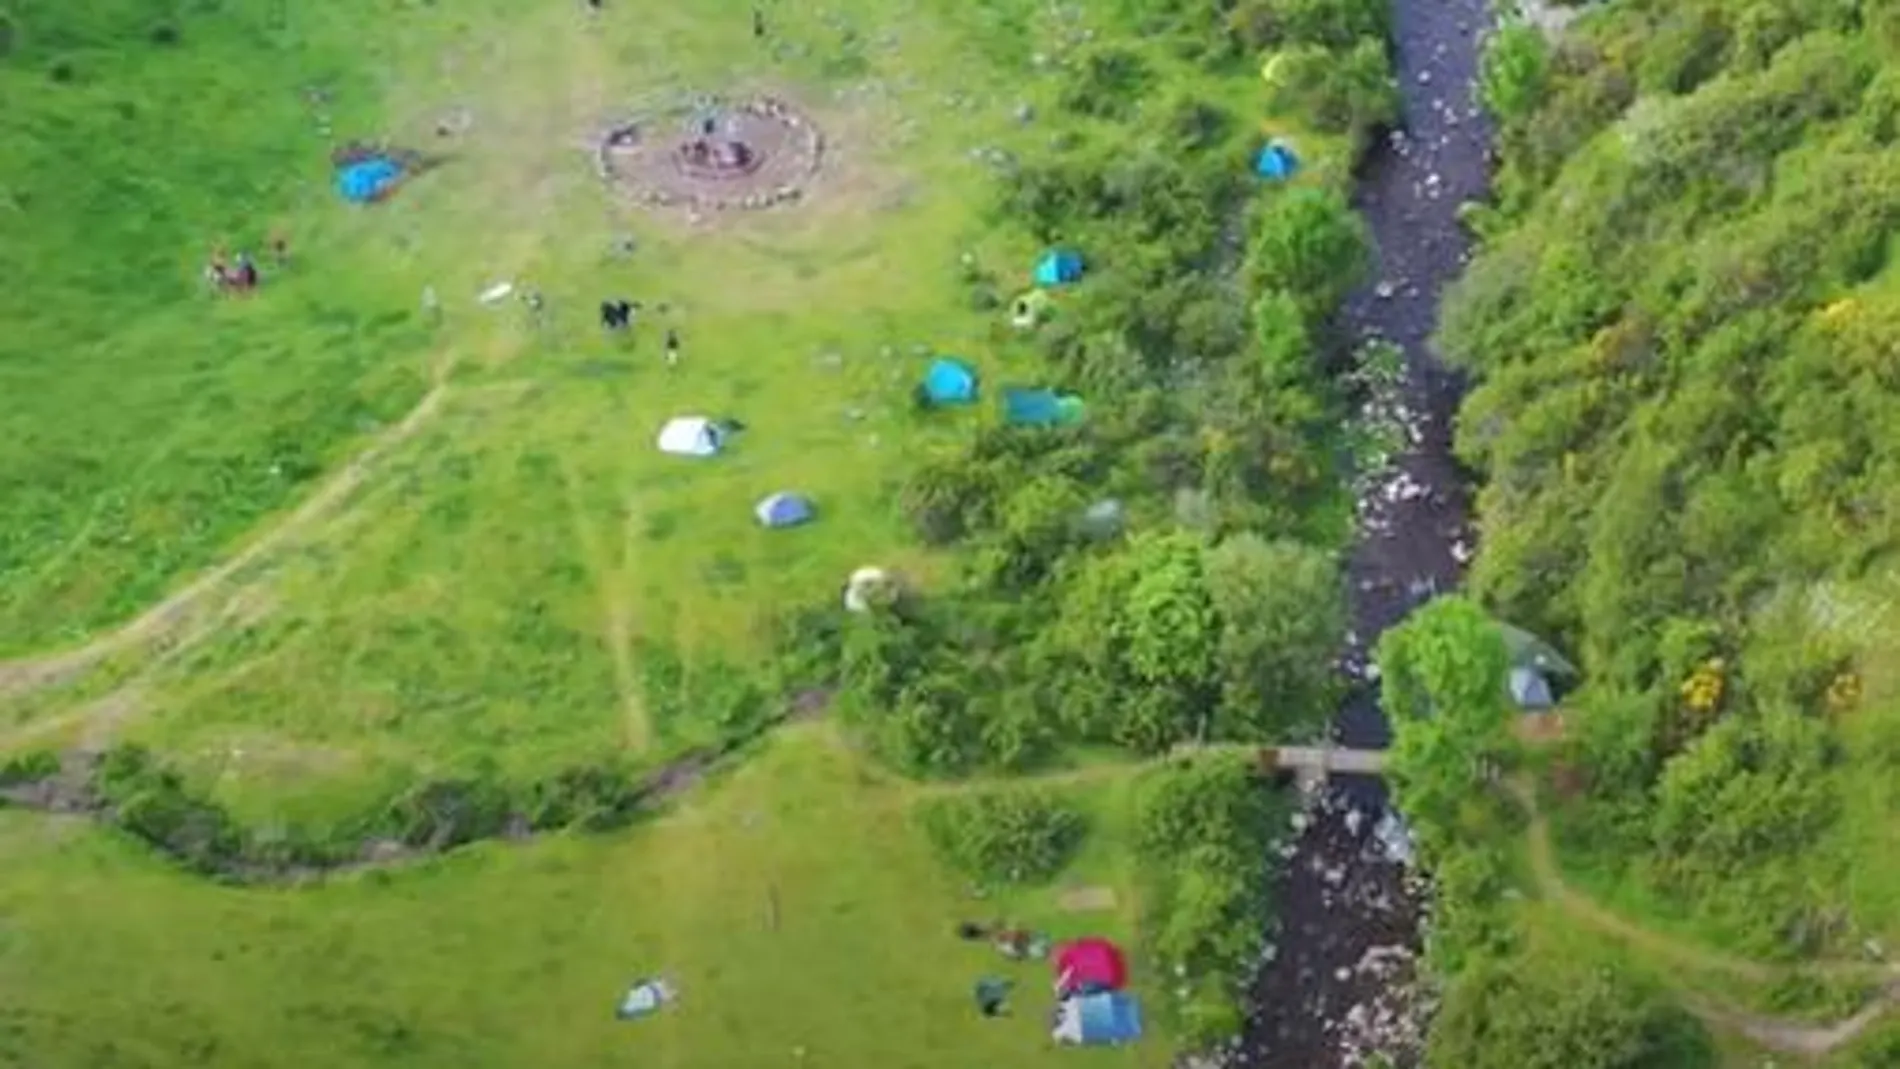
(1276, 162)
(1106, 1018)
(366, 180)
(785, 509)
(1058, 267)
(949, 382)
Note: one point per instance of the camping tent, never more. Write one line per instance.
(691, 436)
(784, 509)
(1530, 690)
(1089, 965)
(1276, 162)
(1029, 309)
(949, 382)
(1040, 408)
(645, 997)
(1529, 651)
(1057, 267)
(1106, 1019)
(368, 179)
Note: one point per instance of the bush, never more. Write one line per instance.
(1012, 835)
(1516, 72)
(1107, 83)
(1345, 91)
(30, 767)
(1560, 1011)
(1203, 834)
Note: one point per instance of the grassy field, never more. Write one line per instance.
(482, 580)
(511, 956)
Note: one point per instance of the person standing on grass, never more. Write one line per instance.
(672, 347)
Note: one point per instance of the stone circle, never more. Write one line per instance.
(713, 154)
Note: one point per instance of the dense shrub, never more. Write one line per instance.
(29, 767)
(1681, 326)
(1202, 832)
(1345, 90)
(1547, 1010)
(1005, 835)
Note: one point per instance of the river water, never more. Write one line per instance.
(1333, 988)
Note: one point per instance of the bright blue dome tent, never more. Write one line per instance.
(1276, 162)
(948, 382)
(368, 180)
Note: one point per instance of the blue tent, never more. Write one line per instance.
(366, 180)
(1040, 408)
(1057, 267)
(784, 509)
(949, 382)
(1106, 1018)
(1276, 162)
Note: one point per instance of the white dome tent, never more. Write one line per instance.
(691, 436)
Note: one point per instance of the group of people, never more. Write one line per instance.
(618, 314)
(239, 274)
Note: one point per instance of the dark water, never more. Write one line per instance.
(1346, 913)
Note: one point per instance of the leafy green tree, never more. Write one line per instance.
(1309, 243)
(1442, 679)
(1282, 610)
(1546, 1010)
(1516, 71)
(1345, 90)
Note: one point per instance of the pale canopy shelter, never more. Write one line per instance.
(691, 436)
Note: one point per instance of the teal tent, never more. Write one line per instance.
(948, 382)
(1040, 408)
(1058, 267)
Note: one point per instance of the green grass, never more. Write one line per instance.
(147, 442)
(510, 956)
(483, 592)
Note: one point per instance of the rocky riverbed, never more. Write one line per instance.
(1337, 983)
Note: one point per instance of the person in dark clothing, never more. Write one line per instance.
(616, 315)
(672, 347)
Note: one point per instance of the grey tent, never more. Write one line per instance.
(1529, 651)
(1530, 690)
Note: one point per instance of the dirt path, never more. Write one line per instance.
(24, 676)
(1775, 1033)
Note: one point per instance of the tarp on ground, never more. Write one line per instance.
(1276, 162)
(1090, 965)
(949, 382)
(691, 436)
(367, 180)
(1058, 267)
(785, 509)
(1040, 408)
(1106, 1019)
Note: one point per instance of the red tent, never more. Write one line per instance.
(1090, 965)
